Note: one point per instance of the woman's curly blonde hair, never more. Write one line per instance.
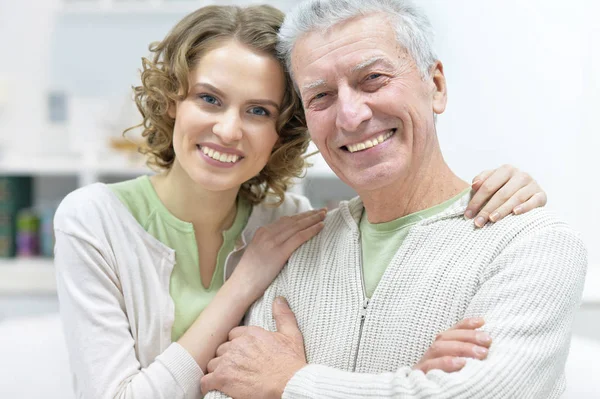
(165, 81)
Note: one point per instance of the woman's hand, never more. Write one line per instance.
(271, 247)
(502, 191)
(450, 348)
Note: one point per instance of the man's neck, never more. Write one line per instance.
(214, 211)
(429, 184)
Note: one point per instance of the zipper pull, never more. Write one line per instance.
(363, 311)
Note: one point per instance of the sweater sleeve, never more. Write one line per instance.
(261, 315)
(527, 297)
(100, 344)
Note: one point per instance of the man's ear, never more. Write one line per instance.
(440, 94)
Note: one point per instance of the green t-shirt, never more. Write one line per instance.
(186, 289)
(381, 241)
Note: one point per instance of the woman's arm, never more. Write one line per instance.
(101, 347)
(264, 258)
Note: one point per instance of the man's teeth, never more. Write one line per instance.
(370, 143)
(226, 158)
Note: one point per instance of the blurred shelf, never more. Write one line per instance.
(46, 165)
(27, 276)
(71, 165)
(35, 276)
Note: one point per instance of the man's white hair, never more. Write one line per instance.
(413, 29)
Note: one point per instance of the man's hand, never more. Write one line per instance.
(451, 347)
(256, 363)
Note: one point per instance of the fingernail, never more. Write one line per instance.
(518, 210)
(494, 216)
(475, 183)
(469, 214)
(480, 221)
(484, 338)
(279, 301)
(475, 321)
(480, 351)
(459, 361)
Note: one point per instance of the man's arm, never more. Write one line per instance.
(527, 298)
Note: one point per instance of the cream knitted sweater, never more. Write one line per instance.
(524, 275)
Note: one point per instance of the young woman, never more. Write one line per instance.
(154, 272)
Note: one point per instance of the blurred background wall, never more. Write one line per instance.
(524, 88)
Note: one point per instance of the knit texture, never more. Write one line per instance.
(524, 275)
(113, 286)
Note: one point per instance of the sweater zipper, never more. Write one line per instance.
(365, 304)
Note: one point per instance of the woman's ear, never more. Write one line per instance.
(172, 110)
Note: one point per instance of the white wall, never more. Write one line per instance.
(25, 28)
(524, 81)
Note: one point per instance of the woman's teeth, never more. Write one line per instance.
(370, 143)
(216, 155)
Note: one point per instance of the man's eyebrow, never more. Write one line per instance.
(315, 84)
(371, 61)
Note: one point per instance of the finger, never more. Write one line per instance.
(308, 213)
(455, 348)
(285, 320)
(237, 332)
(480, 178)
(537, 200)
(503, 196)
(488, 188)
(208, 383)
(468, 323)
(223, 348)
(301, 237)
(297, 226)
(212, 364)
(448, 364)
(517, 199)
(284, 222)
(480, 338)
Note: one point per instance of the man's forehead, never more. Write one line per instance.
(345, 46)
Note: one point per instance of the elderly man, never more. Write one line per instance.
(397, 265)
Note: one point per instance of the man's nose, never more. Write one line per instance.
(352, 110)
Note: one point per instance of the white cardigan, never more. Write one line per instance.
(524, 275)
(113, 286)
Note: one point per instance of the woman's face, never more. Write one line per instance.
(225, 129)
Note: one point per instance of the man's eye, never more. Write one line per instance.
(260, 111)
(319, 96)
(373, 76)
(209, 99)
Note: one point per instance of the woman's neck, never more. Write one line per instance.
(214, 211)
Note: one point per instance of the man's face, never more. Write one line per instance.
(368, 109)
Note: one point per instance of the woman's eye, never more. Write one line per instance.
(209, 99)
(260, 111)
